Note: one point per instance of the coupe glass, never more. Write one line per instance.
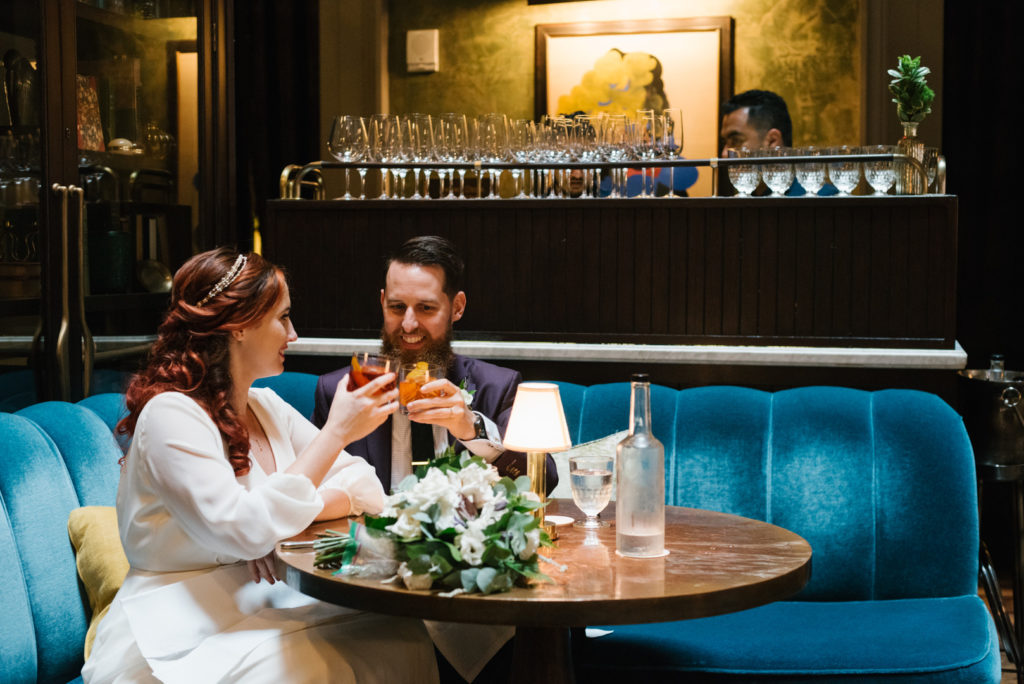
(778, 177)
(590, 478)
(844, 174)
(744, 177)
(810, 175)
(347, 143)
(880, 174)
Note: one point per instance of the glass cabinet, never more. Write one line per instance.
(102, 112)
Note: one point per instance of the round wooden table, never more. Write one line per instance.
(717, 563)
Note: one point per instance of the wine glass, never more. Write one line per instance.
(421, 145)
(744, 177)
(880, 174)
(451, 144)
(615, 148)
(397, 150)
(590, 478)
(672, 140)
(844, 174)
(647, 143)
(347, 143)
(810, 175)
(493, 148)
(522, 137)
(375, 149)
(778, 177)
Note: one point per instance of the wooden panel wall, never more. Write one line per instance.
(765, 271)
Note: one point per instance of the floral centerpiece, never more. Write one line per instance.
(455, 523)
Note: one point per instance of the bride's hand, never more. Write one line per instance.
(355, 414)
(262, 568)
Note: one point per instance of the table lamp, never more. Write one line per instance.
(537, 426)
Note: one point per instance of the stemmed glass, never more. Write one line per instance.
(588, 130)
(590, 478)
(844, 174)
(810, 175)
(615, 148)
(493, 147)
(451, 144)
(647, 143)
(376, 150)
(347, 143)
(778, 177)
(421, 143)
(744, 177)
(672, 140)
(880, 174)
(397, 150)
(522, 137)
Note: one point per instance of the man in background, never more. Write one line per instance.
(756, 119)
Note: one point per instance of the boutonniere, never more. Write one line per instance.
(467, 394)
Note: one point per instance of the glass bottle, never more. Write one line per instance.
(908, 179)
(640, 477)
(997, 368)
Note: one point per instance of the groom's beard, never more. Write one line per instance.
(437, 351)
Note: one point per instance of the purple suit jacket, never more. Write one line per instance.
(495, 391)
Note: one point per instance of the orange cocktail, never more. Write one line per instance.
(411, 379)
(367, 367)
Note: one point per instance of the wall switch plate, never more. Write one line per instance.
(421, 50)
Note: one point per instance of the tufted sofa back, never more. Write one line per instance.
(835, 465)
(55, 457)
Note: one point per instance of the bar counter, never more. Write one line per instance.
(815, 272)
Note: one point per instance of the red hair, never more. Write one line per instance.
(190, 354)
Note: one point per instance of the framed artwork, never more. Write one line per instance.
(622, 66)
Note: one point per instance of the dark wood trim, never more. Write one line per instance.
(831, 272)
(723, 24)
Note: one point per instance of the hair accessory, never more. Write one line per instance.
(228, 278)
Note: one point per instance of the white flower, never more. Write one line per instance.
(467, 396)
(406, 527)
(475, 483)
(532, 544)
(471, 541)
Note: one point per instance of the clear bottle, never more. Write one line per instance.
(640, 478)
(997, 368)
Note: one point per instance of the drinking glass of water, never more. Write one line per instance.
(590, 478)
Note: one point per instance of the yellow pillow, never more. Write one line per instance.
(101, 562)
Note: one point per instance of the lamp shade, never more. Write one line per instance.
(537, 422)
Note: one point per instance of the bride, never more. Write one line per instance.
(218, 472)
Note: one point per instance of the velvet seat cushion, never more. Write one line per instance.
(946, 640)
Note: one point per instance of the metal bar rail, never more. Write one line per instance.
(293, 177)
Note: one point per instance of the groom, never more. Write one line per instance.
(421, 299)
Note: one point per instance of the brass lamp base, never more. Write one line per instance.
(536, 467)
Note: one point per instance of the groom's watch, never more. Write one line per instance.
(480, 427)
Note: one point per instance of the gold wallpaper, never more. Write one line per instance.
(808, 51)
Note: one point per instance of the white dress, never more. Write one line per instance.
(188, 610)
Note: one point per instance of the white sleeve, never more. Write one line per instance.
(490, 447)
(182, 454)
(349, 474)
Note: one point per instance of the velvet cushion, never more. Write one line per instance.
(298, 389)
(38, 568)
(100, 559)
(950, 639)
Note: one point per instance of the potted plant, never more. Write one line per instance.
(913, 100)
